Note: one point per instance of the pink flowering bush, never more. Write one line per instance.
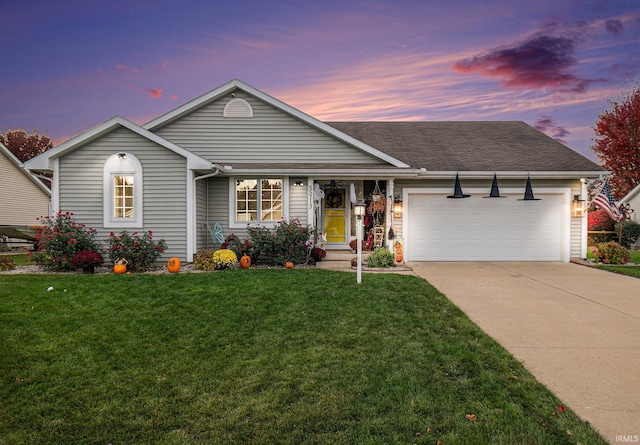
(140, 251)
(611, 253)
(60, 239)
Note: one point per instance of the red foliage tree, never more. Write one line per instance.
(26, 145)
(617, 143)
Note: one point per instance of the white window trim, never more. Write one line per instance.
(116, 165)
(233, 224)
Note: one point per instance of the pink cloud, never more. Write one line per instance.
(547, 125)
(121, 67)
(540, 62)
(154, 94)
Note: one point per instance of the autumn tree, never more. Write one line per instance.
(617, 142)
(26, 145)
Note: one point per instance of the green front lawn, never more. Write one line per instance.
(632, 271)
(259, 356)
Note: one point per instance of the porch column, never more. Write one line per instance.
(389, 211)
(310, 209)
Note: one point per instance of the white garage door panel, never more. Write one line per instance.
(474, 229)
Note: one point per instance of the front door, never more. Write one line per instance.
(335, 215)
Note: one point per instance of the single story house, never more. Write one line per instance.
(633, 199)
(238, 156)
(23, 197)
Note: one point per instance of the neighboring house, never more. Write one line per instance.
(633, 199)
(238, 156)
(23, 197)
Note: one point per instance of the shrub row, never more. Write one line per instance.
(63, 245)
(288, 241)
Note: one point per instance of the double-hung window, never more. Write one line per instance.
(258, 200)
(122, 191)
(123, 199)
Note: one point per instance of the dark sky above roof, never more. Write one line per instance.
(468, 146)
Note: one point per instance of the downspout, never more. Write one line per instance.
(218, 169)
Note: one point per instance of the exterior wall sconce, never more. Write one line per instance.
(298, 184)
(397, 206)
(122, 156)
(577, 208)
(359, 209)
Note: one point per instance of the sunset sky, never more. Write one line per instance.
(68, 65)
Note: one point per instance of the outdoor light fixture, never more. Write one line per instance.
(576, 206)
(298, 184)
(359, 209)
(397, 206)
(122, 155)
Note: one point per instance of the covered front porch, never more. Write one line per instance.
(332, 202)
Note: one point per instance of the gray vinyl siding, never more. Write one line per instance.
(201, 214)
(577, 224)
(22, 201)
(164, 187)
(298, 201)
(218, 205)
(271, 136)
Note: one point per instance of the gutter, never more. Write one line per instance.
(330, 172)
(515, 174)
(218, 169)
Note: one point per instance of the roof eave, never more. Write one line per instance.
(43, 162)
(325, 172)
(629, 196)
(561, 174)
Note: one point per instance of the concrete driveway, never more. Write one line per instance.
(577, 329)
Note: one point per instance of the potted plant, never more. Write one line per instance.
(87, 260)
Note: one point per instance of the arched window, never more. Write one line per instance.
(237, 108)
(122, 183)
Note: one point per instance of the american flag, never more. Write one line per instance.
(605, 201)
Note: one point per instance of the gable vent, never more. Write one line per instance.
(238, 108)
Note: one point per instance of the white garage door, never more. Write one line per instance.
(480, 229)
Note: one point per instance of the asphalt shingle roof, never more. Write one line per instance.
(468, 145)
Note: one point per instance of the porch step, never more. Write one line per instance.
(340, 259)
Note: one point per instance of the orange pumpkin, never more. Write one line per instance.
(245, 261)
(289, 265)
(120, 266)
(173, 265)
